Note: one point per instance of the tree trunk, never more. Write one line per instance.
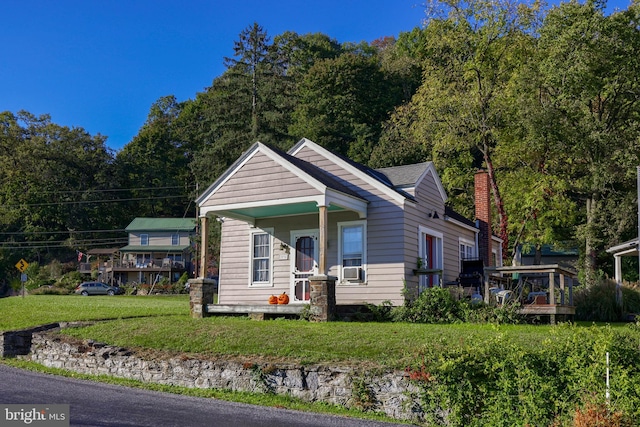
(537, 258)
(502, 214)
(589, 251)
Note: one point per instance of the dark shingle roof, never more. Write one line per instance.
(317, 173)
(162, 224)
(404, 176)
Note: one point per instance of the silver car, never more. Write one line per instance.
(97, 288)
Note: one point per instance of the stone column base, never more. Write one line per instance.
(201, 292)
(323, 298)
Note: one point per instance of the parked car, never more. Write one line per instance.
(97, 288)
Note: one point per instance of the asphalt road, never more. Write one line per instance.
(102, 405)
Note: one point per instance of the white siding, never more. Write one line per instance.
(260, 179)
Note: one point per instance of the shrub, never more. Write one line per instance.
(599, 303)
(433, 305)
(70, 280)
(631, 299)
(50, 290)
(382, 312)
(508, 313)
(179, 287)
(598, 415)
(436, 305)
(503, 383)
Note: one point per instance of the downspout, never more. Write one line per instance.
(477, 239)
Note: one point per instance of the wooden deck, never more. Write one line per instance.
(557, 280)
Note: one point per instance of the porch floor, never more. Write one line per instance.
(269, 310)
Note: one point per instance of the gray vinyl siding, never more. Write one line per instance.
(392, 226)
(260, 179)
(430, 199)
(385, 270)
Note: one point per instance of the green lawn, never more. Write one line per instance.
(34, 310)
(172, 329)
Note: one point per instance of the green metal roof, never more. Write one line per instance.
(162, 224)
(159, 248)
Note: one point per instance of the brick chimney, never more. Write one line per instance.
(483, 215)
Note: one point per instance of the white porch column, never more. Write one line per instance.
(322, 247)
(204, 243)
(618, 268)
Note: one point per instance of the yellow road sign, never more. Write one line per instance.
(22, 265)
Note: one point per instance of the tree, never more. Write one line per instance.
(55, 182)
(343, 102)
(154, 166)
(589, 111)
(474, 49)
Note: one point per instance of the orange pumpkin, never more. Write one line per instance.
(283, 298)
(273, 299)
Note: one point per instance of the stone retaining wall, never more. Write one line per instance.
(17, 343)
(389, 392)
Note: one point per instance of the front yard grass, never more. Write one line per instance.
(35, 310)
(532, 375)
(393, 345)
(163, 323)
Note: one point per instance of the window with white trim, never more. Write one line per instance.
(260, 258)
(175, 239)
(431, 256)
(467, 249)
(144, 240)
(496, 257)
(352, 250)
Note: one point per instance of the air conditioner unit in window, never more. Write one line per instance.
(352, 273)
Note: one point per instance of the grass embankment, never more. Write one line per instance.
(172, 329)
(483, 374)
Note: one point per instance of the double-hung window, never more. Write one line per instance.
(144, 240)
(260, 258)
(175, 239)
(352, 250)
(467, 249)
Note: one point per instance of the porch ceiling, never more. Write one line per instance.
(250, 211)
(280, 210)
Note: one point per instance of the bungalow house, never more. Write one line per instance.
(157, 248)
(288, 216)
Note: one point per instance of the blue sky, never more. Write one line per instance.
(100, 64)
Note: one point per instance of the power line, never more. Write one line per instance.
(83, 202)
(113, 243)
(20, 233)
(77, 242)
(111, 190)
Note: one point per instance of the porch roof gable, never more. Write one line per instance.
(327, 191)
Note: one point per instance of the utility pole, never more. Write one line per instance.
(638, 241)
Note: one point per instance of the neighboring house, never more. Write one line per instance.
(288, 216)
(564, 256)
(158, 248)
(626, 249)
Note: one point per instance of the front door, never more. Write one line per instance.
(428, 258)
(304, 262)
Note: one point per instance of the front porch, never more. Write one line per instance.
(322, 303)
